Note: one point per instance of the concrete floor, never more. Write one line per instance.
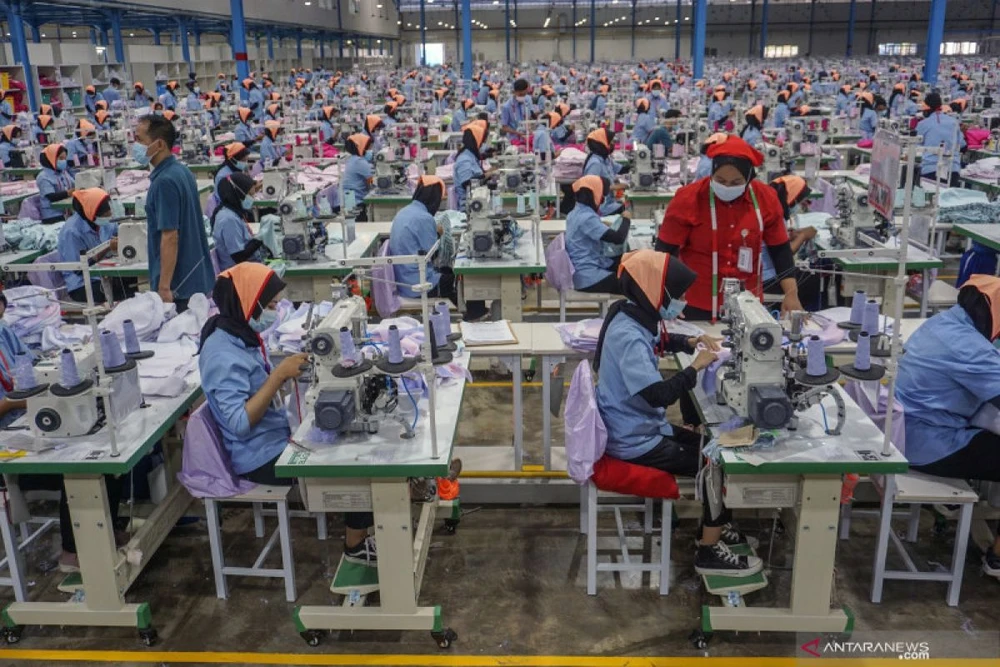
(511, 582)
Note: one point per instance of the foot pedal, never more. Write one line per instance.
(71, 583)
(732, 589)
(354, 579)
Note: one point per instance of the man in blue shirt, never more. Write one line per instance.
(939, 130)
(513, 113)
(179, 262)
(112, 93)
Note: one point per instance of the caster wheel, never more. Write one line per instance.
(450, 526)
(529, 376)
(312, 637)
(700, 639)
(148, 636)
(444, 639)
(12, 635)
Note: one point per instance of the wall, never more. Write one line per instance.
(729, 30)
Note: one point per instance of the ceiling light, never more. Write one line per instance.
(379, 6)
(657, 18)
(308, 3)
(547, 21)
(439, 23)
(496, 2)
(687, 18)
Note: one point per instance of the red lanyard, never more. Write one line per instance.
(6, 379)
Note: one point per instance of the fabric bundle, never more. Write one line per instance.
(30, 310)
(147, 312)
(581, 336)
(28, 234)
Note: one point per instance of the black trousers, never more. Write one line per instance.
(679, 455)
(446, 289)
(977, 460)
(607, 285)
(265, 475)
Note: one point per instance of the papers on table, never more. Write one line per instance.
(488, 333)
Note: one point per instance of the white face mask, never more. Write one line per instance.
(728, 193)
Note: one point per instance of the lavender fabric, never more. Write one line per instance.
(384, 291)
(31, 208)
(586, 435)
(52, 280)
(855, 390)
(559, 268)
(205, 471)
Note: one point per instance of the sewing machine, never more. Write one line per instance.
(645, 172)
(303, 237)
(854, 215)
(274, 185)
(132, 240)
(773, 161)
(516, 172)
(490, 235)
(390, 175)
(195, 143)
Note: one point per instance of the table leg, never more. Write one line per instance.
(924, 291)
(15, 560)
(510, 297)
(516, 375)
(104, 583)
(547, 411)
(812, 573)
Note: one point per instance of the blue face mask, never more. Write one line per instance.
(264, 322)
(61, 165)
(248, 203)
(139, 154)
(241, 166)
(100, 222)
(369, 155)
(673, 309)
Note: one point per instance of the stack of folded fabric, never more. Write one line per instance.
(569, 165)
(30, 310)
(581, 336)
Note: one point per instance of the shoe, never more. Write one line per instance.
(991, 563)
(732, 536)
(364, 553)
(718, 559)
(68, 563)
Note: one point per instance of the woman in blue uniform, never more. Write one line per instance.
(235, 161)
(869, 118)
(54, 182)
(645, 121)
(781, 110)
(234, 242)
(939, 129)
(413, 232)
(7, 113)
(43, 127)
(718, 110)
(8, 139)
(461, 115)
(594, 268)
(468, 163)
(255, 98)
(193, 102)
(246, 131)
(843, 100)
(90, 98)
(358, 171)
(80, 148)
(140, 97)
(755, 117)
(271, 151)
(88, 227)
(632, 396)
(949, 387)
(272, 112)
(328, 133)
(600, 144)
(169, 97)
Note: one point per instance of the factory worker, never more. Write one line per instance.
(112, 93)
(718, 110)
(896, 100)
(7, 113)
(468, 162)
(212, 110)
(389, 113)
(439, 106)
(781, 110)
(599, 103)
(844, 100)
(600, 144)
(594, 269)
(193, 102)
(749, 92)
(220, 85)
(271, 151)
(515, 111)
(102, 121)
(90, 98)
(797, 95)
(139, 95)
(8, 140)
(755, 117)
(793, 193)
(912, 105)
(169, 98)
(10, 347)
(358, 171)
(80, 148)
(54, 182)
(234, 242)
(482, 95)
(951, 372)
(873, 84)
(42, 128)
(657, 99)
(241, 385)
(869, 117)
(541, 140)
(328, 131)
(414, 231)
(632, 396)
(461, 115)
(88, 227)
(245, 132)
(939, 129)
(494, 99)
(719, 225)
(645, 121)
(704, 167)
(563, 133)
(373, 128)
(255, 98)
(235, 156)
(272, 112)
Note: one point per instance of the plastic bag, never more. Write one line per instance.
(586, 435)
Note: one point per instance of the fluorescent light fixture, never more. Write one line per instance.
(308, 3)
(378, 6)
(547, 21)
(687, 18)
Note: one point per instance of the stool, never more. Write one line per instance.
(572, 296)
(916, 490)
(589, 507)
(256, 497)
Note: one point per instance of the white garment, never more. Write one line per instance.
(188, 324)
(147, 312)
(57, 337)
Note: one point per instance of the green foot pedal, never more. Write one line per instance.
(732, 589)
(353, 579)
(71, 583)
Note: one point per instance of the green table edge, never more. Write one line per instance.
(495, 271)
(106, 467)
(29, 258)
(965, 231)
(816, 468)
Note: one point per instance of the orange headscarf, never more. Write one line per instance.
(989, 287)
(91, 200)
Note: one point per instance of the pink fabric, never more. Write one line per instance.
(384, 292)
(31, 208)
(559, 268)
(866, 143)
(976, 137)
(205, 471)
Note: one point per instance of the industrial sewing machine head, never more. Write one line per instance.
(491, 235)
(516, 171)
(132, 239)
(390, 173)
(854, 215)
(645, 172)
(274, 185)
(890, 124)
(303, 237)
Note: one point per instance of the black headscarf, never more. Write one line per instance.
(469, 143)
(585, 196)
(975, 304)
(232, 190)
(429, 196)
(744, 166)
(241, 294)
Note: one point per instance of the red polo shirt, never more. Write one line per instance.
(688, 225)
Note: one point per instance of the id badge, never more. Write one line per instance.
(744, 261)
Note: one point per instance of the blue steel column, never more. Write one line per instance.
(182, 28)
(871, 29)
(340, 47)
(458, 31)
(467, 40)
(574, 30)
(197, 37)
(850, 28)
(701, 18)
(116, 35)
(763, 28)
(93, 36)
(270, 44)
(633, 29)
(322, 49)
(812, 25)
(506, 26)
(423, 35)
(298, 45)
(677, 33)
(517, 42)
(593, 29)
(935, 34)
(19, 45)
(36, 34)
(694, 23)
(238, 38)
(156, 36)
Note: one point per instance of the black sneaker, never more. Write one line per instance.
(991, 563)
(364, 553)
(732, 536)
(718, 559)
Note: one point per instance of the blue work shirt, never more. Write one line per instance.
(512, 114)
(231, 235)
(173, 204)
(868, 124)
(231, 374)
(270, 151)
(645, 123)
(413, 231)
(600, 104)
(797, 98)
(111, 96)
(77, 237)
(843, 103)
(584, 230)
(169, 101)
(606, 168)
(357, 176)
(541, 142)
(560, 134)
(481, 97)
(467, 168)
(90, 103)
(77, 152)
(225, 171)
(629, 365)
(256, 96)
(936, 130)
(5, 149)
(658, 103)
(948, 373)
(704, 168)
(780, 114)
(7, 112)
(193, 103)
(753, 136)
(49, 182)
(458, 119)
(491, 105)
(245, 133)
(327, 133)
(10, 347)
(717, 112)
